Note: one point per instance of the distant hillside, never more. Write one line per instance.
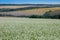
(37, 5)
(56, 12)
(33, 10)
(28, 11)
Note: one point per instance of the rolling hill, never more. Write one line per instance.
(31, 9)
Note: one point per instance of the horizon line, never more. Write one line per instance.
(29, 3)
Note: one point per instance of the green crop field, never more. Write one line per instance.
(29, 29)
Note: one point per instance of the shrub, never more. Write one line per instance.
(34, 16)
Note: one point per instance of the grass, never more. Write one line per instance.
(29, 29)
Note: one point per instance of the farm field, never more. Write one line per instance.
(38, 11)
(12, 7)
(29, 29)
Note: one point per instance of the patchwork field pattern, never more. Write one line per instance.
(39, 11)
(29, 29)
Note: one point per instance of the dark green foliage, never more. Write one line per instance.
(33, 16)
(56, 16)
(47, 14)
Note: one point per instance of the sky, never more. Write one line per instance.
(29, 1)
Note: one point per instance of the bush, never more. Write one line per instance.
(34, 16)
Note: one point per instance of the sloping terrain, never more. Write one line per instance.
(56, 12)
(28, 9)
(34, 11)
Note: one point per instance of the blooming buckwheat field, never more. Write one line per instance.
(29, 29)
